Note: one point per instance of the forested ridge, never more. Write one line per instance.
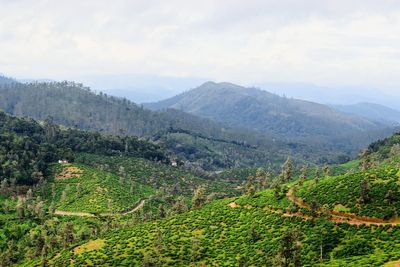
(200, 142)
(282, 117)
(27, 147)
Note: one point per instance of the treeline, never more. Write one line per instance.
(386, 147)
(27, 147)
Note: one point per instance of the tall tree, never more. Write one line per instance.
(180, 205)
(199, 197)
(287, 170)
(303, 174)
(20, 207)
(276, 185)
(290, 248)
(317, 174)
(64, 195)
(263, 178)
(250, 185)
(161, 211)
(395, 150)
(67, 234)
(4, 186)
(365, 190)
(78, 190)
(326, 170)
(366, 160)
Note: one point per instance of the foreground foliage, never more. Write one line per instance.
(219, 235)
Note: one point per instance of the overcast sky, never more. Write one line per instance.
(326, 42)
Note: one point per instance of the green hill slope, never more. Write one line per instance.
(373, 192)
(172, 181)
(79, 188)
(252, 234)
(345, 192)
(269, 228)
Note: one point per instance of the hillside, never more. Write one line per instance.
(110, 183)
(27, 148)
(318, 222)
(289, 223)
(372, 111)
(237, 106)
(28, 151)
(264, 229)
(385, 148)
(79, 188)
(172, 181)
(346, 193)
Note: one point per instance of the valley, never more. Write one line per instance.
(211, 133)
(165, 191)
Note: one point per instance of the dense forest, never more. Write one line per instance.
(27, 147)
(200, 142)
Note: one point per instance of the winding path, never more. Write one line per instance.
(89, 214)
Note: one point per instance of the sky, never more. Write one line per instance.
(330, 43)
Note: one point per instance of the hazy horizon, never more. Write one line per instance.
(326, 51)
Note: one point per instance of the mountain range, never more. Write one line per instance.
(252, 108)
(214, 126)
(199, 142)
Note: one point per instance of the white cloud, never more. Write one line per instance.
(326, 42)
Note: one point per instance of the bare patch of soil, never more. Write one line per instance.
(69, 172)
(233, 205)
(91, 245)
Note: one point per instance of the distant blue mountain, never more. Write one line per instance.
(376, 112)
(6, 80)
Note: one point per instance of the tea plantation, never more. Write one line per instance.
(250, 235)
(79, 188)
(173, 180)
(345, 192)
(266, 228)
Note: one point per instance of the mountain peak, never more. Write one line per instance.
(220, 84)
